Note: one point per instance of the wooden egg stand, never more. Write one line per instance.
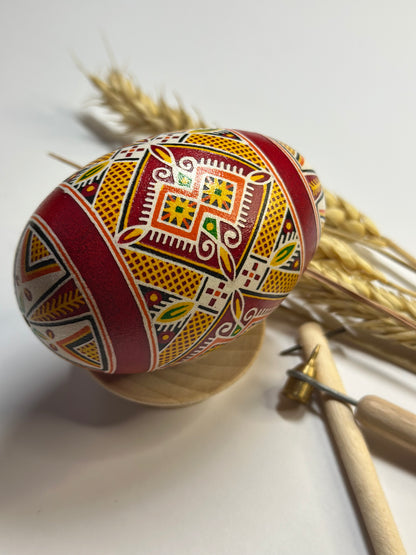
(190, 382)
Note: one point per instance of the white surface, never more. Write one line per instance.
(84, 472)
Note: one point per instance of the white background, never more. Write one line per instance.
(82, 471)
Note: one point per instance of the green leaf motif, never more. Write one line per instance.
(91, 171)
(175, 312)
(283, 254)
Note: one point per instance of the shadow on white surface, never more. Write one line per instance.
(292, 410)
(79, 400)
(73, 431)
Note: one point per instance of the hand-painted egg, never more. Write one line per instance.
(160, 251)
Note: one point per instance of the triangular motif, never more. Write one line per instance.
(82, 345)
(90, 351)
(38, 250)
(36, 258)
(227, 134)
(156, 300)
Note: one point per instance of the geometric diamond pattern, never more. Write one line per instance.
(37, 250)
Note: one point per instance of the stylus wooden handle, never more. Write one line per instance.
(397, 424)
(353, 449)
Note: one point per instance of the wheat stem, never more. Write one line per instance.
(372, 245)
(361, 298)
(64, 160)
(407, 256)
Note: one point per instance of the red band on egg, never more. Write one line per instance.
(104, 278)
(295, 186)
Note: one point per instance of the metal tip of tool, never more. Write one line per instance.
(301, 376)
(300, 390)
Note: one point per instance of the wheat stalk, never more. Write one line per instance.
(137, 111)
(372, 302)
(344, 220)
(295, 311)
(341, 284)
(335, 253)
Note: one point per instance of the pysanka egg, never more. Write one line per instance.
(160, 251)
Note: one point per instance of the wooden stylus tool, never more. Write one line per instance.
(372, 412)
(349, 439)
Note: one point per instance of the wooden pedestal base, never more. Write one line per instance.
(191, 382)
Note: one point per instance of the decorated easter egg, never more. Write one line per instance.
(160, 251)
